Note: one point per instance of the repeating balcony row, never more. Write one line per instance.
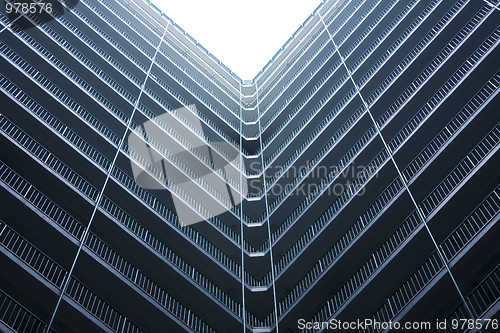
(233, 184)
(337, 108)
(78, 14)
(114, 138)
(195, 62)
(151, 93)
(308, 117)
(294, 53)
(435, 31)
(111, 61)
(321, 128)
(385, 199)
(423, 114)
(317, 22)
(444, 92)
(125, 181)
(120, 177)
(314, 37)
(304, 122)
(402, 37)
(365, 33)
(432, 269)
(99, 126)
(479, 301)
(44, 268)
(402, 136)
(352, 48)
(172, 92)
(382, 36)
(332, 11)
(77, 33)
(74, 230)
(437, 62)
(312, 72)
(203, 118)
(483, 215)
(18, 318)
(374, 24)
(122, 92)
(83, 18)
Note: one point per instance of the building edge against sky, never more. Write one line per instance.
(163, 10)
(225, 28)
(365, 158)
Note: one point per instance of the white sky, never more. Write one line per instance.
(244, 35)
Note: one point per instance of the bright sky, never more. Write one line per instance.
(244, 35)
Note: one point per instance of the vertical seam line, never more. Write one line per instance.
(101, 193)
(243, 309)
(267, 215)
(386, 147)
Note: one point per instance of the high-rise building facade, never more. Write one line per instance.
(352, 185)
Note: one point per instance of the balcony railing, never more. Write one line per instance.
(104, 55)
(110, 82)
(75, 229)
(441, 140)
(121, 69)
(480, 300)
(87, 88)
(485, 214)
(408, 31)
(414, 25)
(303, 49)
(325, 98)
(443, 93)
(326, 148)
(467, 29)
(437, 62)
(394, 23)
(66, 100)
(195, 62)
(300, 70)
(366, 220)
(303, 83)
(464, 170)
(308, 78)
(119, 176)
(489, 45)
(372, 26)
(16, 317)
(453, 128)
(46, 269)
(107, 38)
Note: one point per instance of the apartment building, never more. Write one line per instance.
(147, 188)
